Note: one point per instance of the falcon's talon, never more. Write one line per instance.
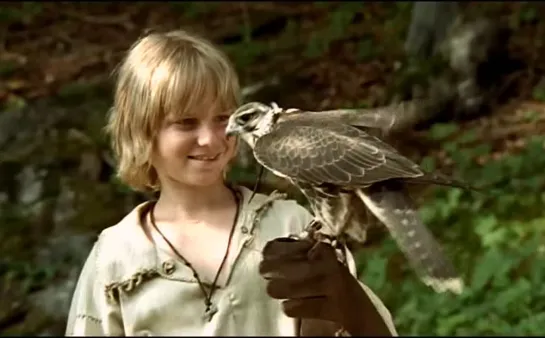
(314, 225)
(311, 231)
(313, 234)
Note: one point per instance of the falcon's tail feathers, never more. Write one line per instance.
(440, 179)
(393, 207)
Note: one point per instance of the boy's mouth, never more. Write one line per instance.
(204, 157)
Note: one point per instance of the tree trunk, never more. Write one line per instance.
(430, 22)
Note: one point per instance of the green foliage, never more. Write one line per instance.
(538, 92)
(366, 49)
(23, 13)
(318, 42)
(493, 303)
(241, 174)
(339, 20)
(495, 238)
(528, 14)
(247, 53)
(441, 131)
(14, 103)
(314, 45)
(193, 9)
(30, 276)
(8, 67)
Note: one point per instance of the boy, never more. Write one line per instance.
(202, 259)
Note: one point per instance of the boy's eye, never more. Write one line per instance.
(222, 118)
(187, 123)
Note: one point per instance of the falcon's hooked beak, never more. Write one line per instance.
(233, 128)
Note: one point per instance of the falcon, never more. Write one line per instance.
(344, 173)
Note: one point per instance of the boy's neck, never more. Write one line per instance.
(193, 203)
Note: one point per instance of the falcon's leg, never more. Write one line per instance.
(312, 233)
(319, 198)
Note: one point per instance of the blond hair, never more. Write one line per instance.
(163, 74)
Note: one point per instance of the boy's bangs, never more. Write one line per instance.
(197, 85)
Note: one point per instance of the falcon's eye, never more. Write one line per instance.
(245, 118)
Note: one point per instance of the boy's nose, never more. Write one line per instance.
(208, 136)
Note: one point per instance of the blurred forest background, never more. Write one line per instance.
(475, 72)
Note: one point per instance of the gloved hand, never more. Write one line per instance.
(318, 286)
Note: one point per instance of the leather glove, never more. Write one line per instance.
(315, 285)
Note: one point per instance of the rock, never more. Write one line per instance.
(67, 249)
(56, 195)
(31, 187)
(66, 254)
(66, 205)
(54, 301)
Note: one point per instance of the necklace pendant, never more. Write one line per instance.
(210, 311)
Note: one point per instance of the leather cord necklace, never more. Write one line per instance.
(211, 308)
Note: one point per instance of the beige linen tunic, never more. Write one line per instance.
(129, 287)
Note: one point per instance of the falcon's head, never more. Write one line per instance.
(252, 120)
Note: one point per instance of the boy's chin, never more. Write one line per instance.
(204, 179)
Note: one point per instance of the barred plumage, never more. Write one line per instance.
(345, 173)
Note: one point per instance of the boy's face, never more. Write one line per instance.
(193, 149)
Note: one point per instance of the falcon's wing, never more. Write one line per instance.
(320, 152)
(387, 118)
